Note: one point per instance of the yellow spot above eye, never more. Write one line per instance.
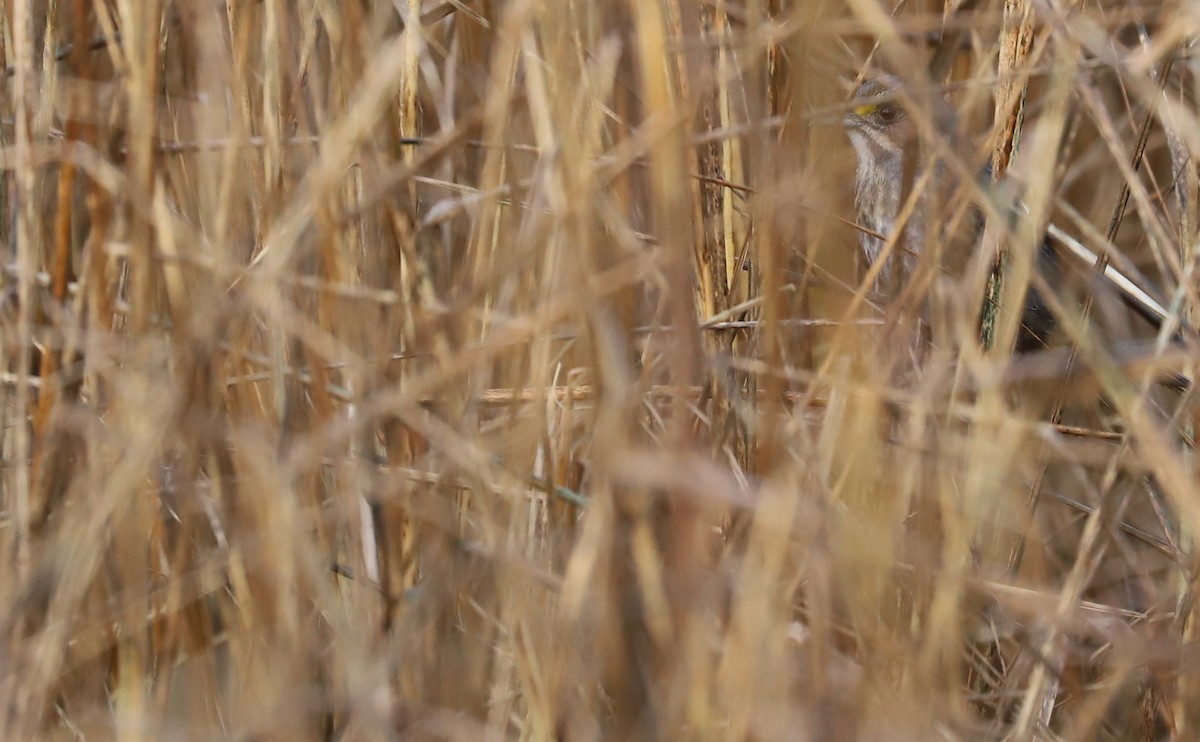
(865, 110)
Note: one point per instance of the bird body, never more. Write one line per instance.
(880, 131)
(877, 198)
(886, 145)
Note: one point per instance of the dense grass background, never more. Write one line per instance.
(505, 370)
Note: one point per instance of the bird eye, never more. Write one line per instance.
(887, 113)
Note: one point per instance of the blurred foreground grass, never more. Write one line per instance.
(502, 370)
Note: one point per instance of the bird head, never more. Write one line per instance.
(877, 122)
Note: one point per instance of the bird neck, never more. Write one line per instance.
(879, 179)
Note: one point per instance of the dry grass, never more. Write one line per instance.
(504, 370)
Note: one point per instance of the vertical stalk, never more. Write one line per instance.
(28, 247)
(1015, 41)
